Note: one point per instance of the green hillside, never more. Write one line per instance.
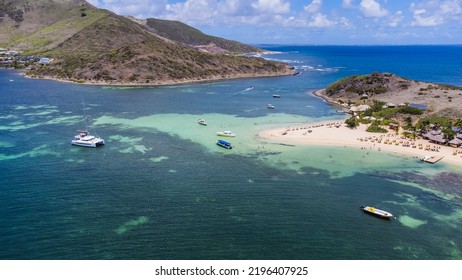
(180, 32)
(136, 56)
(42, 24)
(96, 46)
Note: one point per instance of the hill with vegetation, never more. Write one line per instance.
(40, 25)
(97, 46)
(439, 99)
(180, 32)
(386, 101)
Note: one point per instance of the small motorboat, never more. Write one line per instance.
(376, 212)
(270, 106)
(224, 144)
(426, 158)
(276, 96)
(226, 133)
(202, 122)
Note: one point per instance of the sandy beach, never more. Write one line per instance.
(336, 133)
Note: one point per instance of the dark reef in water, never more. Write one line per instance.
(446, 182)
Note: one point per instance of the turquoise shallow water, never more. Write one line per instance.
(161, 189)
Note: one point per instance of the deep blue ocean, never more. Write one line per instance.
(161, 189)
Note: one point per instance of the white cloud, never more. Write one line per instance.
(371, 8)
(433, 13)
(396, 19)
(271, 6)
(231, 7)
(345, 23)
(138, 8)
(422, 18)
(347, 4)
(285, 20)
(451, 7)
(313, 7)
(210, 13)
(321, 21)
(191, 11)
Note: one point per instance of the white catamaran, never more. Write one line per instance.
(84, 138)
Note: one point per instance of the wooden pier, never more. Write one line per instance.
(432, 159)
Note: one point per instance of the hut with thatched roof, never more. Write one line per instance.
(435, 136)
(360, 108)
(438, 139)
(456, 142)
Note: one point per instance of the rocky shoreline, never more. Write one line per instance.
(321, 94)
(161, 82)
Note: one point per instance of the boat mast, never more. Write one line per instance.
(84, 115)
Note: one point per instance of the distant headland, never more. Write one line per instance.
(95, 46)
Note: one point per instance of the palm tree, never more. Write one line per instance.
(414, 131)
(352, 122)
(458, 123)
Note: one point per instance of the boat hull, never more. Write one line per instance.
(224, 144)
(89, 144)
(377, 212)
(202, 122)
(226, 134)
(84, 139)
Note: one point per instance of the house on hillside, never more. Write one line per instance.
(44, 60)
(422, 107)
(360, 108)
(389, 105)
(12, 53)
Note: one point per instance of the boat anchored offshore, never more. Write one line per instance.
(224, 144)
(202, 122)
(84, 139)
(226, 133)
(376, 212)
(270, 106)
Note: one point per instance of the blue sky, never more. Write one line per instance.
(312, 22)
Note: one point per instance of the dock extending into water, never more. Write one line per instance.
(432, 159)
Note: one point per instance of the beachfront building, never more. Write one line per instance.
(455, 143)
(435, 136)
(422, 107)
(13, 59)
(393, 126)
(45, 60)
(389, 105)
(360, 108)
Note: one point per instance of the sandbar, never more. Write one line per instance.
(336, 133)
